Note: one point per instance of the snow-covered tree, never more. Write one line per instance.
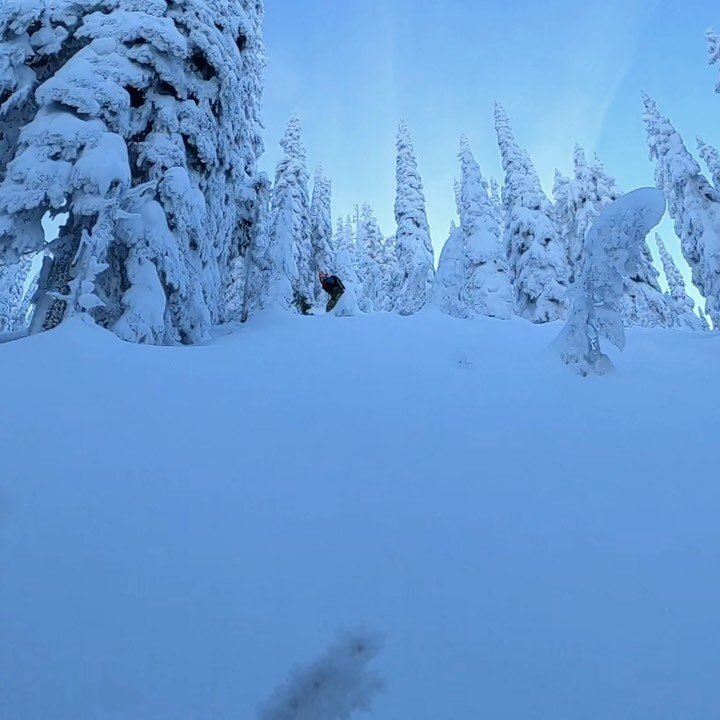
(143, 134)
(693, 203)
(13, 281)
(537, 258)
(711, 158)
(681, 304)
(346, 265)
(644, 304)
(486, 289)
(448, 293)
(713, 40)
(613, 251)
(495, 194)
(321, 227)
(335, 686)
(291, 213)
(374, 262)
(578, 202)
(413, 278)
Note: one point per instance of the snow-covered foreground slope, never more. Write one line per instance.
(178, 527)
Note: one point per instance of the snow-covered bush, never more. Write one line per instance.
(144, 135)
(613, 251)
(334, 687)
(537, 259)
(411, 285)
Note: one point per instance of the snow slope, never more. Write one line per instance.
(180, 526)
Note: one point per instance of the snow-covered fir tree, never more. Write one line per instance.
(13, 291)
(486, 289)
(291, 213)
(711, 158)
(578, 202)
(374, 263)
(693, 203)
(414, 270)
(321, 227)
(143, 135)
(681, 304)
(448, 287)
(613, 250)
(537, 259)
(644, 304)
(713, 40)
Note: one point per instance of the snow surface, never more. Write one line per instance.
(181, 526)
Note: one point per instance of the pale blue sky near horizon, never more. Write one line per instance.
(566, 71)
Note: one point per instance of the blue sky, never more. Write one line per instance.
(566, 71)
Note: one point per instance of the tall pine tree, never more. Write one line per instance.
(486, 289)
(413, 277)
(537, 258)
(291, 214)
(693, 203)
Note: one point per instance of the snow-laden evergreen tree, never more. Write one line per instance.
(413, 278)
(13, 281)
(644, 304)
(321, 227)
(713, 39)
(291, 213)
(711, 158)
(346, 267)
(486, 289)
(143, 135)
(613, 251)
(578, 202)
(495, 194)
(693, 203)
(374, 264)
(335, 686)
(537, 259)
(682, 305)
(448, 288)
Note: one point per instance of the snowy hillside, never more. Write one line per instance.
(181, 526)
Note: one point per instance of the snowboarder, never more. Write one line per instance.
(333, 286)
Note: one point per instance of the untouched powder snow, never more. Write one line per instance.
(179, 527)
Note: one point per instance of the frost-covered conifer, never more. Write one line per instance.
(613, 251)
(486, 289)
(711, 158)
(291, 213)
(335, 686)
(13, 281)
(346, 265)
(644, 304)
(537, 258)
(413, 277)
(321, 227)
(143, 134)
(681, 304)
(448, 294)
(374, 263)
(693, 203)
(578, 202)
(713, 40)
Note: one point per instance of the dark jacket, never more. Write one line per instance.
(332, 285)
